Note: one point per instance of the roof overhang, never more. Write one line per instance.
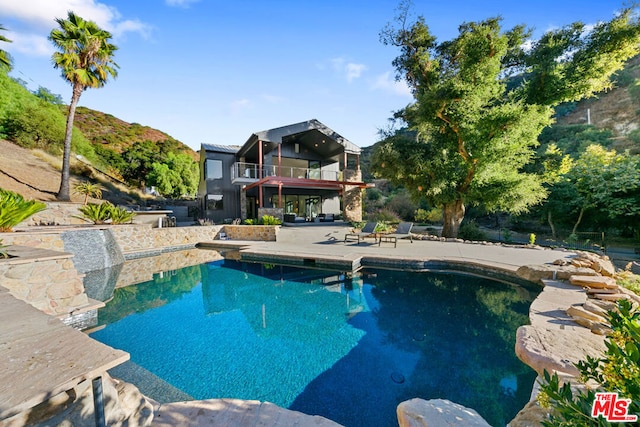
(311, 134)
(276, 181)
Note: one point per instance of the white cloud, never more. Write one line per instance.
(34, 20)
(385, 82)
(240, 105)
(349, 70)
(180, 3)
(29, 44)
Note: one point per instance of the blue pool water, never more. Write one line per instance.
(347, 347)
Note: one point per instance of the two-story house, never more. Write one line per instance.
(304, 169)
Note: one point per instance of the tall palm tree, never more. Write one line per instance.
(85, 58)
(5, 58)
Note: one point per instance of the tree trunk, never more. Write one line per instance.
(453, 216)
(63, 193)
(551, 224)
(575, 226)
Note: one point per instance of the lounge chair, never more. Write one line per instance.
(403, 231)
(369, 230)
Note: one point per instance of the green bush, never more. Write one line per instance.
(14, 209)
(618, 371)
(265, 220)
(432, 215)
(98, 213)
(385, 215)
(469, 230)
(121, 215)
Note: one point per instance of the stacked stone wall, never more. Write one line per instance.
(56, 213)
(51, 284)
(264, 233)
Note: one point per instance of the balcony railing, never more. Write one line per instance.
(250, 172)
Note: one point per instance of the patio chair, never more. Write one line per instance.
(403, 231)
(369, 230)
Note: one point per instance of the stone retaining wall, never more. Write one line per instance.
(49, 283)
(56, 213)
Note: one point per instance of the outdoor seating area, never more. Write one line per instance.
(403, 231)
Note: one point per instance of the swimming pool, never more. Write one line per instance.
(349, 347)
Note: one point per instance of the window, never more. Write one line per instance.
(213, 169)
(214, 202)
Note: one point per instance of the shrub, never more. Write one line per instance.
(469, 230)
(432, 215)
(14, 209)
(120, 215)
(618, 371)
(98, 213)
(532, 239)
(265, 220)
(386, 215)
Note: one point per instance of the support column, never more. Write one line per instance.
(260, 205)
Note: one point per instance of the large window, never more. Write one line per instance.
(214, 202)
(213, 169)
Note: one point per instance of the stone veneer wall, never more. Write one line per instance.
(352, 197)
(56, 213)
(141, 270)
(264, 233)
(50, 284)
(275, 212)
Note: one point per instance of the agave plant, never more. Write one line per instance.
(98, 213)
(121, 215)
(88, 190)
(14, 209)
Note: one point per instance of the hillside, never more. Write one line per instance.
(31, 173)
(617, 110)
(110, 132)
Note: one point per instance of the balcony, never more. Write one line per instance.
(248, 173)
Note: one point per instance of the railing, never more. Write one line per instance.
(249, 172)
(587, 240)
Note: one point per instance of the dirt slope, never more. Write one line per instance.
(34, 178)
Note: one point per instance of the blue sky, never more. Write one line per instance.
(207, 71)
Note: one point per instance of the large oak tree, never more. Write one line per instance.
(482, 99)
(85, 58)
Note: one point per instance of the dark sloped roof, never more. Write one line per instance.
(221, 148)
(277, 134)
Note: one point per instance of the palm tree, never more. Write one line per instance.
(5, 58)
(85, 58)
(88, 190)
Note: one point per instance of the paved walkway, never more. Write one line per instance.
(328, 242)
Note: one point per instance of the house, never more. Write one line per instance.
(304, 170)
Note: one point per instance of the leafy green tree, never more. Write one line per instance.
(5, 58)
(48, 96)
(138, 161)
(473, 125)
(175, 178)
(85, 58)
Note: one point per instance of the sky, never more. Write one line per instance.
(214, 72)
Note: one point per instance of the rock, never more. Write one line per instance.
(556, 349)
(593, 281)
(611, 297)
(577, 312)
(531, 415)
(561, 261)
(534, 273)
(591, 306)
(604, 267)
(437, 413)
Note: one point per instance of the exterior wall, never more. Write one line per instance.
(276, 212)
(230, 192)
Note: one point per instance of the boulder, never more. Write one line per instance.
(577, 312)
(593, 281)
(534, 273)
(557, 349)
(437, 413)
